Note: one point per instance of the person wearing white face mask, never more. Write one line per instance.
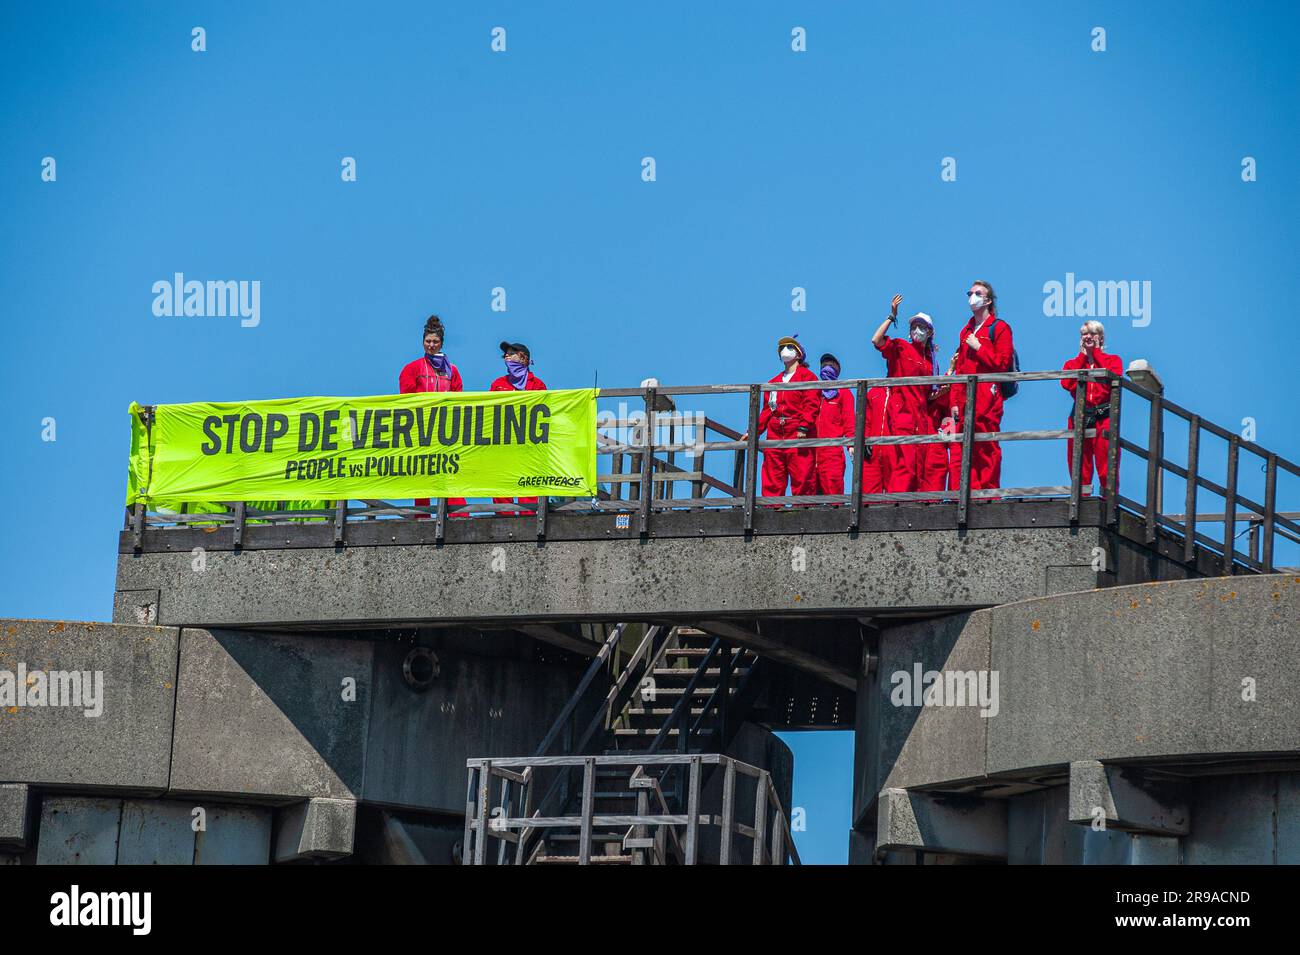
(787, 415)
(986, 347)
(897, 467)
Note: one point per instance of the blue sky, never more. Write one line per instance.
(522, 169)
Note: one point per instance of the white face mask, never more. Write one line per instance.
(977, 301)
(788, 354)
(920, 335)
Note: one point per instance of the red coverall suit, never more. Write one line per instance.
(533, 383)
(834, 420)
(933, 458)
(419, 376)
(783, 414)
(1097, 393)
(877, 463)
(993, 355)
(904, 413)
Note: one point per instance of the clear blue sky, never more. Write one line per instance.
(775, 169)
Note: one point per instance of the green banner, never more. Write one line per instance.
(451, 444)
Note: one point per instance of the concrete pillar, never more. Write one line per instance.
(1127, 799)
(14, 815)
(957, 825)
(315, 829)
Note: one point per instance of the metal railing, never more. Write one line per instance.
(647, 470)
(499, 805)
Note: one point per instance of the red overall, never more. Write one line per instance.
(784, 414)
(532, 383)
(1095, 450)
(904, 413)
(419, 376)
(878, 465)
(993, 355)
(834, 420)
(933, 463)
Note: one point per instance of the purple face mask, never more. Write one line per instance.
(829, 373)
(517, 372)
(440, 364)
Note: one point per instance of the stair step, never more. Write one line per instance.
(687, 673)
(704, 691)
(594, 860)
(662, 711)
(654, 732)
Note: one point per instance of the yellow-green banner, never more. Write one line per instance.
(451, 444)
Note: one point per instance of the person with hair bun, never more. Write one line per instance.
(431, 372)
(1096, 406)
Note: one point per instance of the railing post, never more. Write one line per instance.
(751, 454)
(1112, 452)
(1076, 447)
(760, 820)
(1193, 476)
(967, 447)
(543, 505)
(693, 812)
(647, 490)
(859, 446)
(340, 519)
(1270, 507)
(588, 797)
(1230, 508)
(481, 812)
(137, 527)
(240, 509)
(1155, 454)
(440, 520)
(728, 812)
(471, 800)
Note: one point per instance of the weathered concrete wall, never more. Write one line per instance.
(1163, 673)
(127, 747)
(712, 577)
(269, 718)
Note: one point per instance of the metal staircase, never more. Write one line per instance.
(629, 789)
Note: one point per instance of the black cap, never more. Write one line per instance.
(516, 346)
(830, 359)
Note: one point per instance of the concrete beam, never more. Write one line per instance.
(954, 825)
(557, 637)
(316, 829)
(14, 814)
(781, 653)
(1127, 799)
(689, 579)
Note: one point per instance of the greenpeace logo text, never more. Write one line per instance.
(209, 299)
(946, 688)
(1087, 299)
(71, 688)
(103, 908)
(549, 480)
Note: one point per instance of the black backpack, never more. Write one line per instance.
(1008, 388)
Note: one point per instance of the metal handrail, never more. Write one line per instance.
(521, 772)
(655, 471)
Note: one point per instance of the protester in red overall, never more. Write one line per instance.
(788, 415)
(834, 420)
(432, 372)
(875, 474)
(906, 410)
(517, 378)
(1096, 406)
(986, 347)
(933, 458)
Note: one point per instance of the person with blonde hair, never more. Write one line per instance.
(1096, 406)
